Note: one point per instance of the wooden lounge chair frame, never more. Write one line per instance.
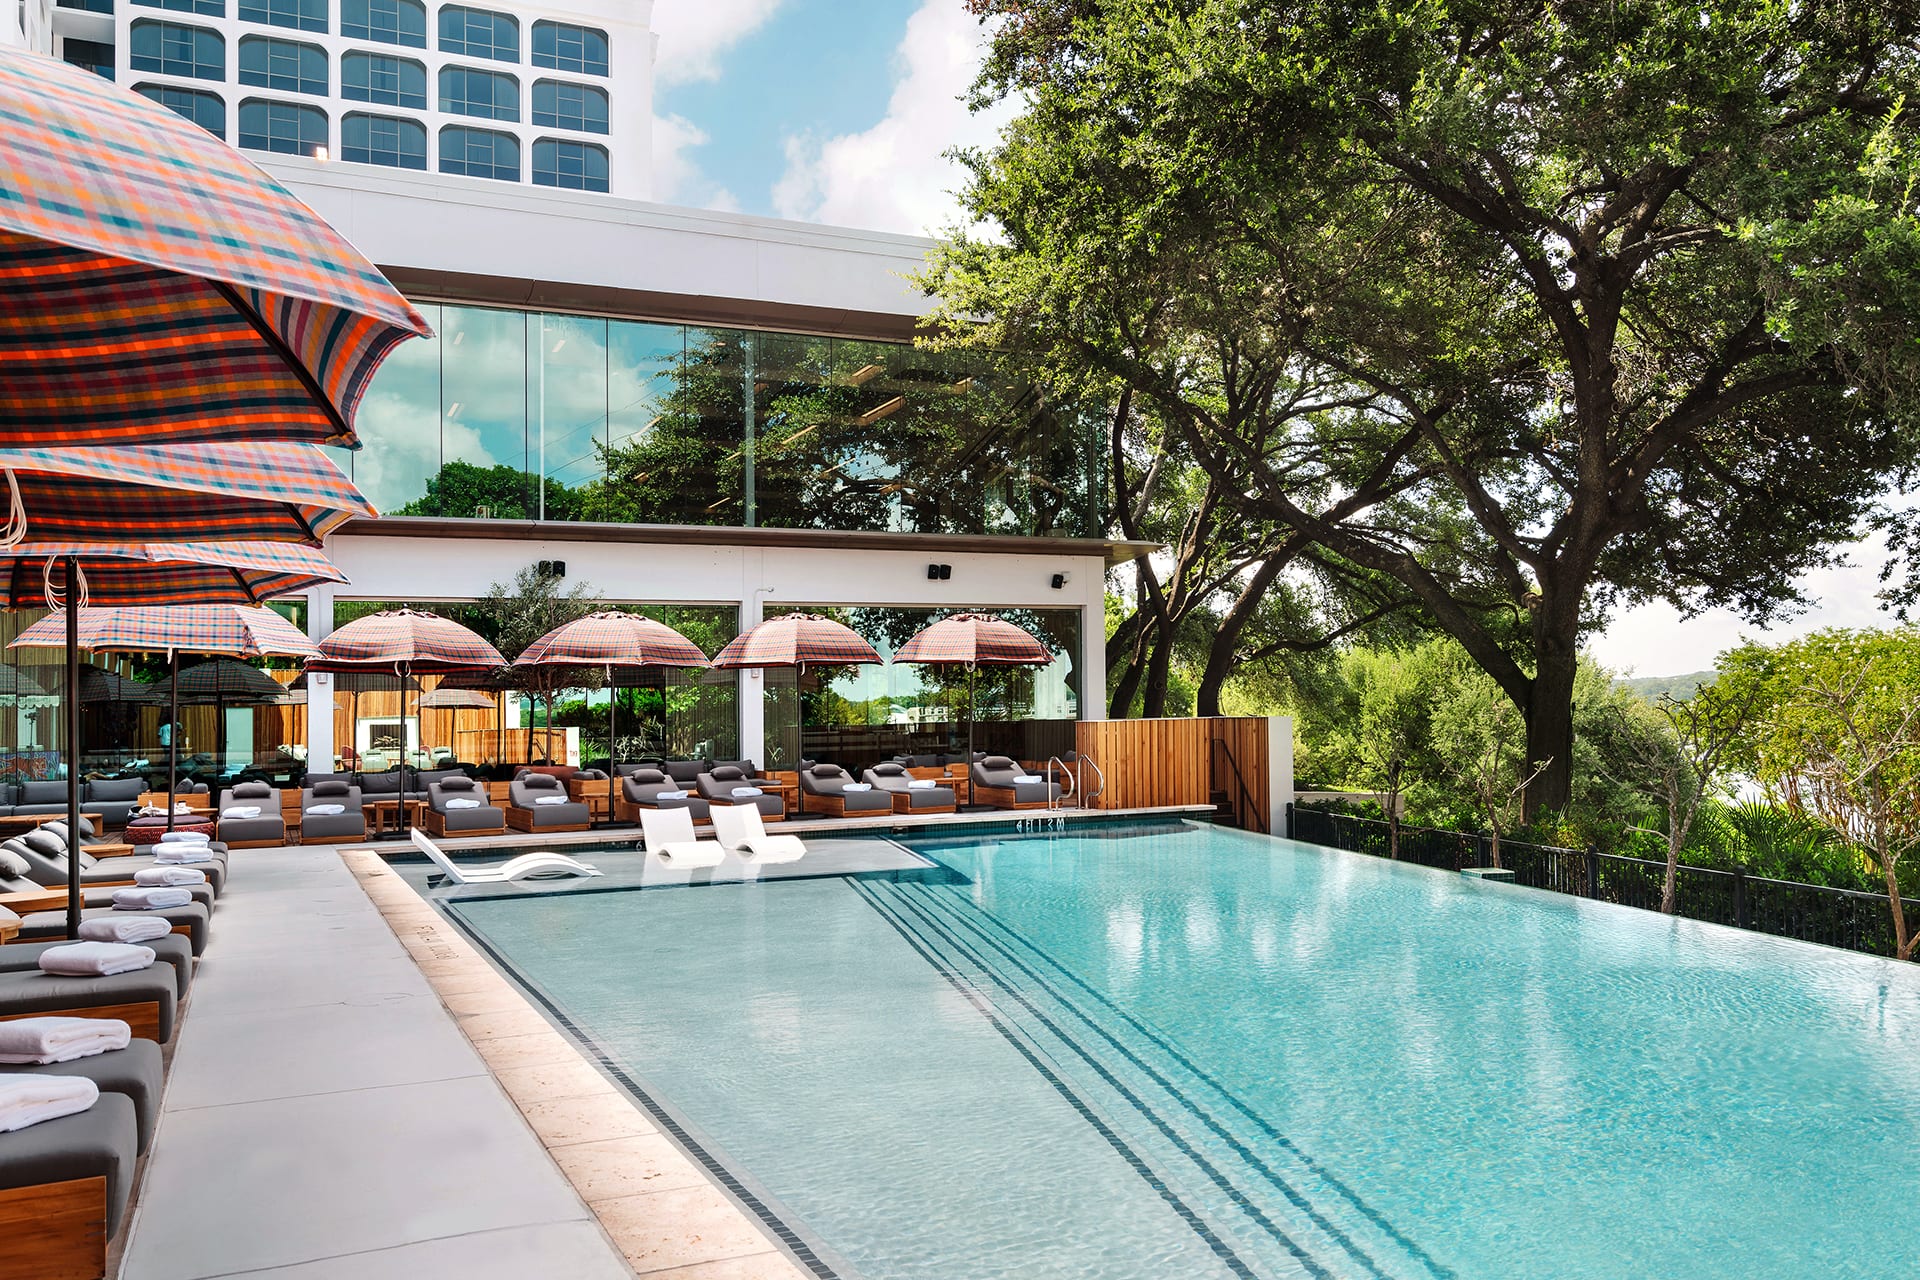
(903, 803)
(522, 820)
(56, 1230)
(436, 824)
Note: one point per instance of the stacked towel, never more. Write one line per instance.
(183, 837)
(456, 802)
(95, 959)
(745, 793)
(549, 799)
(1027, 777)
(143, 898)
(177, 854)
(61, 1039)
(857, 786)
(670, 795)
(29, 1099)
(116, 928)
(326, 810)
(241, 811)
(156, 877)
(922, 784)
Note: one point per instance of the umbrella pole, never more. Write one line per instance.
(970, 709)
(402, 798)
(612, 772)
(173, 731)
(73, 746)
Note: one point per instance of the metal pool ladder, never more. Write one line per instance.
(1080, 796)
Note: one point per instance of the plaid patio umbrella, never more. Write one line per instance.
(176, 493)
(176, 577)
(241, 631)
(160, 287)
(15, 683)
(973, 640)
(613, 641)
(445, 699)
(408, 641)
(799, 640)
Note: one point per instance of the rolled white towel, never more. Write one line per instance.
(29, 1099)
(326, 810)
(124, 928)
(150, 898)
(858, 786)
(183, 837)
(922, 784)
(549, 799)
(95, 959)
(241, 811)
(175, 855)
(61, 1039)
(1027, 777)
(670, 795)
(745, 793)
(460, 802)
(158, 877)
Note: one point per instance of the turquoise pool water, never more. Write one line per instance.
(1185, 1052)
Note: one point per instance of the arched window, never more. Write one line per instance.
(578, 166)
(286, 127)
(469, 91)
(208, 110)
(565, 47)
(301, 15)
(479, 153)
(387, 140)
(402, 22)
(283, 64)
(176, 49)
(479, 33)
(379, 77)
(559, 105)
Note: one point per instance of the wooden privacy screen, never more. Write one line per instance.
(1154, 763)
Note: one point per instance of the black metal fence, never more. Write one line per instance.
(1810, 912)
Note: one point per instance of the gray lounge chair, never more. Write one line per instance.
(145, 999)
(133, 1072)
(45, 854)
(174, 949)
(73, 1177)
(526, 813)
(328, 828)
(44, 797)
(996, 782)
(823, 789)
(717, 787)
(894, 779)
(446, 819)
(687, 772)
(17, 870)
(646, 787)
(268, 829)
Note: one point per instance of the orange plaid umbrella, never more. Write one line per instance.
(161, 288)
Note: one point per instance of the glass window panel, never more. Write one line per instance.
(479, 153)
(683, 462)
(207, 110)
(468, 91)
(379, 77)
(384, 140)
(282, 126)
(558, 105)
(301, 15)
(483, 417)
(800, 419)
(402, 22)
(566, 47)
(92, 55)
(399, 423)
(479, 33)
(177, 50)
(643, 379)
(87, 6)
(568, 355)
(211, 8)
(283, 64)
(575, 166)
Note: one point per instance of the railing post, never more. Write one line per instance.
(1593, 872)
(1290, 834)
(1739, 898)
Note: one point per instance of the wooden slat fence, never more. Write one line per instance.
(1155, 763)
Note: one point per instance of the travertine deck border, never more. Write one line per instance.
(659, 1206)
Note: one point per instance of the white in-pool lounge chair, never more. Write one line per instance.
(670, 836)
(738, 827)
(520, 868)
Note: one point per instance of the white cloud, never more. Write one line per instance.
(677, 179)
(893, 176)
(694, 33)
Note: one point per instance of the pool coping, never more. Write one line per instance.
(666, 1212)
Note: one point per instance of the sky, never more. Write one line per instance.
(839, 111)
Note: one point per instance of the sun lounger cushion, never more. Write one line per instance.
(652, 789)
(1002, 773)
(170, 949)
(28, 993)
(39, 926)
(543, 796)
(101, 1142)
(133, 1073)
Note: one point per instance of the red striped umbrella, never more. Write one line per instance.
(177, 493)
(174, 577)
(614, 641)
(973, 640)
(798, 640)
(160, 287)
(408, 641)
(232, 630)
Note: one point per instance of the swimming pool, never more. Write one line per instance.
(1177, 1051)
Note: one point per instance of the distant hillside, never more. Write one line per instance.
(1681, 687)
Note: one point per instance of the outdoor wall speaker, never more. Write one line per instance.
(552, 568)
(939, 572)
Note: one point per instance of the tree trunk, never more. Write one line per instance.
(1549, 713)
(1670, 887)
(1120, 705)
(1903, 944)
(1493, 849)
(1226, 640)
(1153, 698)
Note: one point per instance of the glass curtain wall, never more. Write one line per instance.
(529, 415)
(859, 716)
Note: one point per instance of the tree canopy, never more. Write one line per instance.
(1535, 310)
